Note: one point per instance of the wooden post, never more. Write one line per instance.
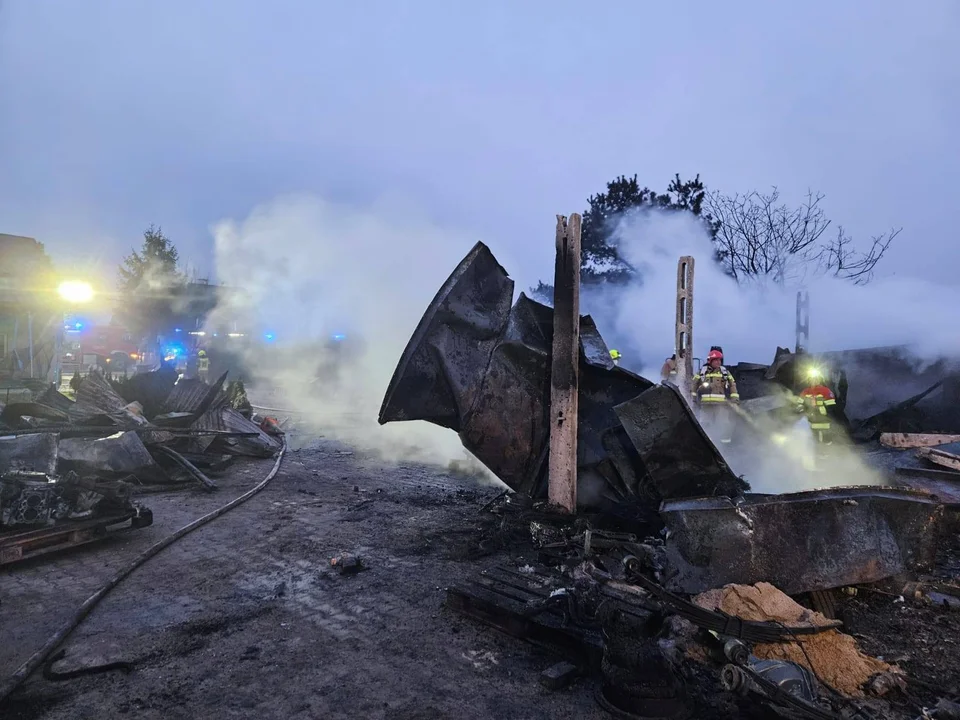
(565, 372)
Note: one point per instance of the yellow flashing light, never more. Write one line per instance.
(75, 291)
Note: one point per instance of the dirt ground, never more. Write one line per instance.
(244, 618)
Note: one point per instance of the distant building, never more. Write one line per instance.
(29, 323)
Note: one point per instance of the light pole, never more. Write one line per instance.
(72, 292)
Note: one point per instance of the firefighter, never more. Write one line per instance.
(203, 365)
(615, 356)
(815, 402)
(714, 389)
(669, 370)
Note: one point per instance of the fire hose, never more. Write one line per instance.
(55, 640)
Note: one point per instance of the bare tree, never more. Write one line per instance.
(758, 237)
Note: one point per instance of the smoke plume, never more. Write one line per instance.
(750, 319)
(339, 291)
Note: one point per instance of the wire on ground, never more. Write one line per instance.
(40, 656)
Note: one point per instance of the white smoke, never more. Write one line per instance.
(750, 319)
(307, 269)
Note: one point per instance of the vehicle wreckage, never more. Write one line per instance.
(662, 517)
(70, 469)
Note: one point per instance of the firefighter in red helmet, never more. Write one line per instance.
(817, 402)
(714, 389)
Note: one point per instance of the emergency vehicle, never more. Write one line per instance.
(106, 346)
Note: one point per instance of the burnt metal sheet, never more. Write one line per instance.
(681, 461)
(441, 370)
(112, 457)
(604, 450)
(174, 419)
(186, 396)
(150, 389)
(13, 414)
(193, 396)
(800, 542)
(505, 423)
(480, 367)
(594, 349)
(36, 453)
(221, 418)
(51, 397)
(98, 403)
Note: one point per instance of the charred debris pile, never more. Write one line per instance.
(681, 591)
(70, 469)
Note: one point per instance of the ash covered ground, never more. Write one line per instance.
(245, 617)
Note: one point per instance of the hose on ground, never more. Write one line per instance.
(41, 655)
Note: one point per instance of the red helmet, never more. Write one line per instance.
(714, 355)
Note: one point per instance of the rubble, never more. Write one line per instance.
(70, 460)
(347, 564)
(831, 656)
(800, 542)
(677, 454)
(116, 456)
(29, 453)
(479, 366)
(946, 455)
(557, 677)
(916, 440)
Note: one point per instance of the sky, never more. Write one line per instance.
(488, 118)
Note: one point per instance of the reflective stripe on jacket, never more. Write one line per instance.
(715, 386)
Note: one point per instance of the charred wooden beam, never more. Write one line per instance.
(565, 371)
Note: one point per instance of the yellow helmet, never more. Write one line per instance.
(202, 353)
(615, 354)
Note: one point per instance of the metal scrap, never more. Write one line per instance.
(35, 453)
(67, 461)
(246, 436)
(480, 367)
(115, 456)
(150, 389)
(191, 469)
(15, 415)
(193, 396)
(38, 500)
(51, 397)
(679, 458)
(799, 542)
(99, 404)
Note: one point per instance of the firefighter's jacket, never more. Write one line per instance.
(816, 400)
(711, 386)
(669, 371)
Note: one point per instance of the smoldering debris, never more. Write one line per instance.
(800, 542)
(663, 514)
(65, 462)
(480, 366)
(599, 598)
